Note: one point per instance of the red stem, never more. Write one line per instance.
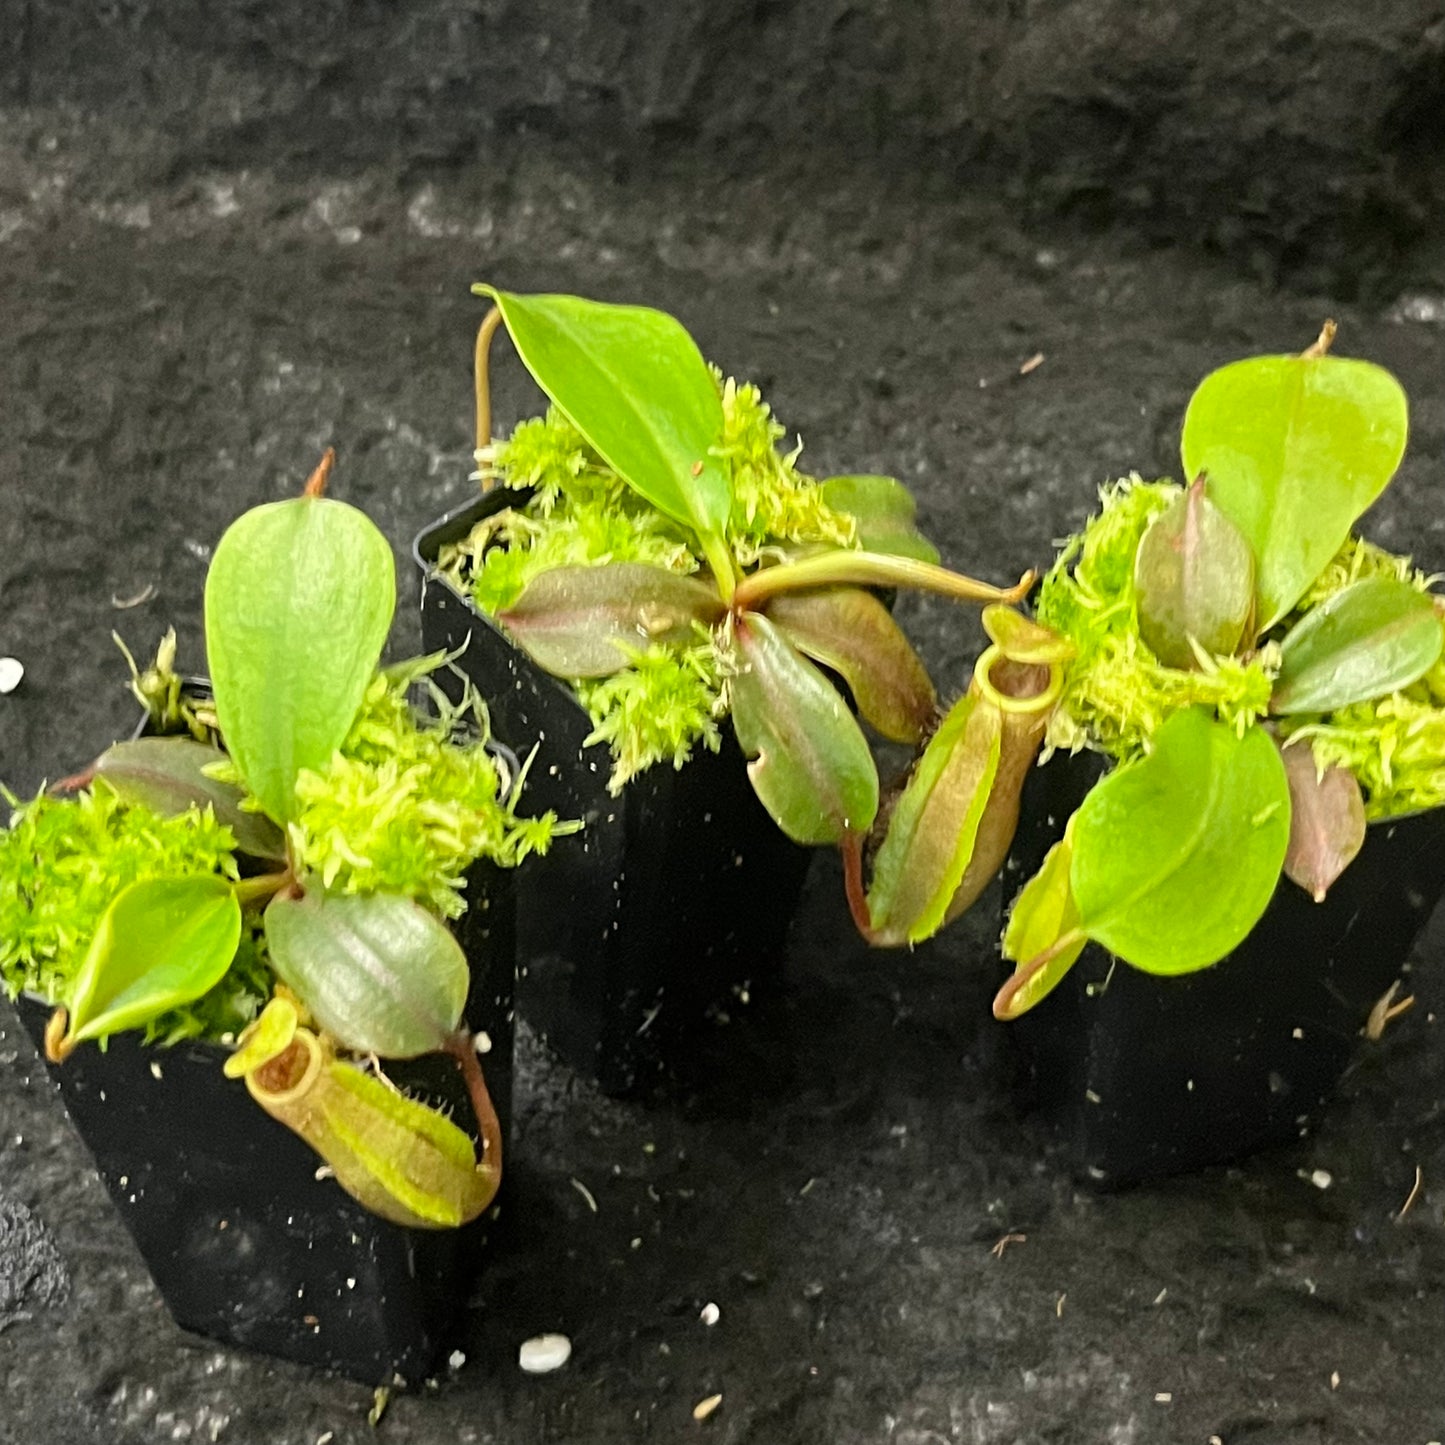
(464, 1052)
(852, 850)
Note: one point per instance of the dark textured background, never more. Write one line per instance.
(1305, 134)
(232, 235)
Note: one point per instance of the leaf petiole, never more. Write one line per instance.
(261, 888)
(720, 560)
(869, 569)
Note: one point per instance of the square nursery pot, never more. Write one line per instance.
(673, 902)
(246, 1244)
(1143, 1077)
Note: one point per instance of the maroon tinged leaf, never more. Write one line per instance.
(167, 775)
(1327, 821)
(851, 631)
(810, 766)
(585, 621)
(1194, 574)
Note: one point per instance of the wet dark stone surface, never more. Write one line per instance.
(196, 301)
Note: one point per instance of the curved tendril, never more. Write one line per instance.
(482, 381)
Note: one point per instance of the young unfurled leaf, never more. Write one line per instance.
(401, 1159)
(167, 775)
(1177, 855)
(1194, 578)
(853, 633)
(299, 599)
(810, 766)
(934, 824)
(378, 972)
(586, 621)
(1327, 821)
(884, 510)
(1295, 448)
(162, 943)
(1369, 639)
(633, 382)
(1043, 935)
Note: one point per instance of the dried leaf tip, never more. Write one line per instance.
(1320, 346)
(316, 482)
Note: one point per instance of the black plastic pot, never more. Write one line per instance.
(1144, 1076)
(672, 904)
(245, 1242)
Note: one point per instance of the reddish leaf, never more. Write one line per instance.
(1327, 821)
(584, 621)
(810, 765)
(852, 632)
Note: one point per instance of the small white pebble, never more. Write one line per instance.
(704, 1408)
(456, 1360)
(544, 1353)
(482, 1041)
(11, 671)
(710, 1315)
(327, 1438)
(156, 1071)
(1164, 1397)
(1334, 1379)
(1322, 1178)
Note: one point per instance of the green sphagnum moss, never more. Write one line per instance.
(1117, 693)
(667, 702)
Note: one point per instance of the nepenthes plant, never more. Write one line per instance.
(274, 867)
(1260, 681)
(668, 562)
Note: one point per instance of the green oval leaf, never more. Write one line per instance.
(852, 632)
(1371, 638)
(934, 825)
(167, 775)
(884, 510)
(1038, 935)
(162, 943)
(587, 621)
(810, 766)
(1176, 856)
(299, 599)
(1326, 821)
(1295, 449)
(379, 973)
(633, 382)
(1194, 578)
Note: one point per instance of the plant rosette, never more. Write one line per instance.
(250, 904)
(1226, 879)
(644, 567)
